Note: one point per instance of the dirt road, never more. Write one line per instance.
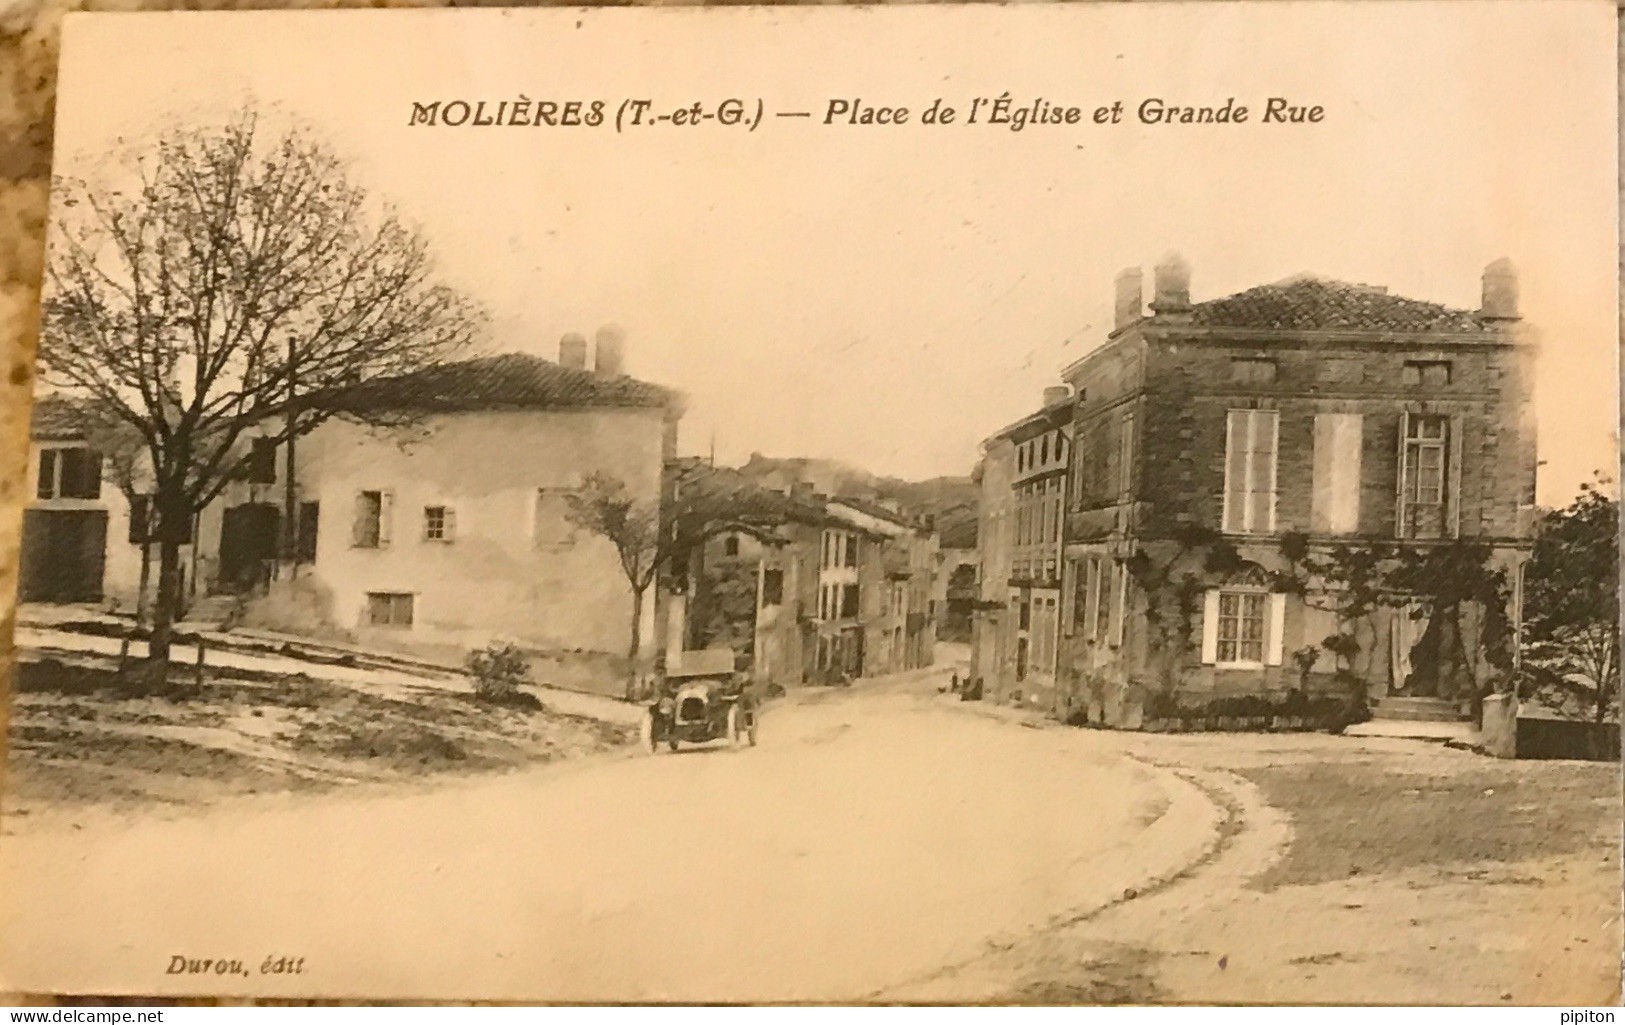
(874, 837)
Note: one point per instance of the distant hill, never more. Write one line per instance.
(950, 501)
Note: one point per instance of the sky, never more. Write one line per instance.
(890, 295)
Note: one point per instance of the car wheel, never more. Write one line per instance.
(672, 743)
(733, 724)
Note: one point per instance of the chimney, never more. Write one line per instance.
(1173, 285)
(1130, 298)
(1056, 394)
(1500, 291)
(573, 351)
(610, 360)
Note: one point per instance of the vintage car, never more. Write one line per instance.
(701, 699)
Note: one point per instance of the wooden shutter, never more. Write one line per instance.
(1210, 627)
(1228, 515)
(1274, 629)
(386, 510)
(1399, 474)
(1267, 422)
(1452, 498)
(361, 513)
(1120, 625)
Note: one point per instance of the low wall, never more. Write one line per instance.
(1568, 738)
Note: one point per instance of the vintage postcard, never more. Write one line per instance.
(961, 504)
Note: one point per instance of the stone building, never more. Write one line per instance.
(1306, 485)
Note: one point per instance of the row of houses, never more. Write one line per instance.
(1141, 532)
(452, 531)
(842, 586)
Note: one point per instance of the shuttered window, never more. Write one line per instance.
(1249, 471)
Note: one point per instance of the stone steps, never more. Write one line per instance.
(1405, 709)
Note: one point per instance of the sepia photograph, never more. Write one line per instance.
(1065, 504)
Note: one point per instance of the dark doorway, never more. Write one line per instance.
(248, 546)
(64, 552)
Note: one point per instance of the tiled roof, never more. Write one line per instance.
(57, 418)
(1316, 304)
(509, 381)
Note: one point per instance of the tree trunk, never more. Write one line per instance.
(633, 645)
(142, 604)
(173, 516)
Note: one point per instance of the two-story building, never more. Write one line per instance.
(1017, 631)
(1309, 484)
(437, 537)
(1308, 422)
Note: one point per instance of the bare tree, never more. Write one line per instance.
(232, 277)
(604, 506)
(653, 537)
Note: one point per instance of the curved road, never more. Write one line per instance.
(873, 838)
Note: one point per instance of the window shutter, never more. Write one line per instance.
(386, 510)
(1228, 517)
(1453, 496)
(1399, 475)
(448, 529)
(1210, 627)
(1275, 630)
(93, 475)
(1272, 428)
(1120, 625)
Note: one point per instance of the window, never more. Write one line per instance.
(1024, 620)
(1425, 374)
(1252, 371)
(370, 528)
(69, 473)
(851, 551)
(144, 522)
(1335, 494)
(849, 601)
(1043, 455)
(772, 587)
(1425, 476)
(730, 545)
(1249, 471)
(439, 523)
(1242, 627)
(389, 609)
(551, 526)
(262, 461)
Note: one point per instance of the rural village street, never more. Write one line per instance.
(849, 852)
(885, 842)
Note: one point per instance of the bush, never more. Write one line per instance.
(498, 671)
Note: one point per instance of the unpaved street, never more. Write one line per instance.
(884, 843)
(874, 837)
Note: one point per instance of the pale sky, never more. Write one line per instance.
(890, 295)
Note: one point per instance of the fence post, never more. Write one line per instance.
(199, 677)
